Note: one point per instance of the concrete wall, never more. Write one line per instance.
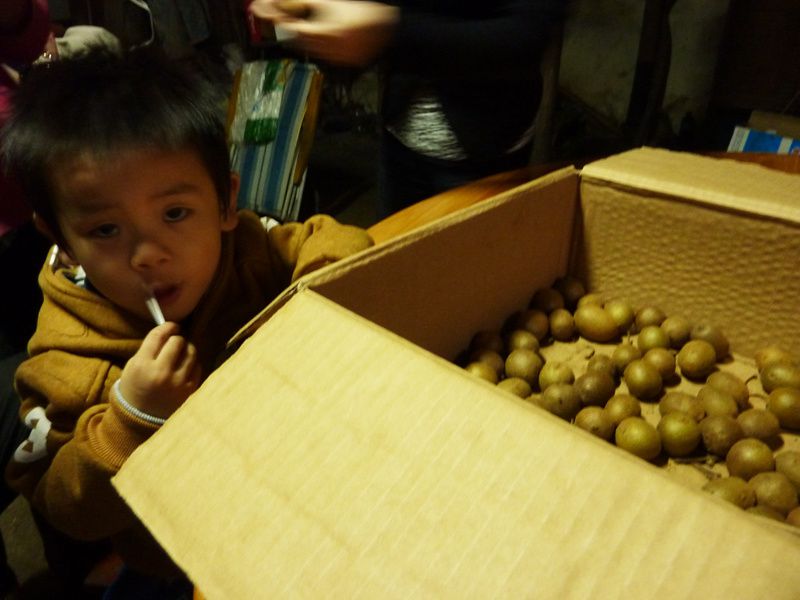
(601, 41)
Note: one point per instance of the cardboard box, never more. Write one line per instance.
(340, 453)
(747, 139)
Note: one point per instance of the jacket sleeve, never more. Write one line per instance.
(497, 41)
(79, 439)
(321, 240)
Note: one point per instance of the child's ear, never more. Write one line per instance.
(42, 227)
(231, 217)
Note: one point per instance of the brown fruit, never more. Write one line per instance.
(788, 463)
(649, 315)
(595, 324)
(595, 420)
(638, 437)
(651, 336)
(623, 355)
(662, 360)
(562, 400)
(681, 402)
(525, 364)
(571, 289)
(621, 313)
(774, 489)
(733, 385)
(784, 403)
(778, 375)
(696, 359)
(749, 457)
(717, 402)
(678, 330)
(488, 340)
(535, 399)
(591, 298)
(555, 372)
(595, 388)
(719, 433)
(714, 336)
(522, 338)
(793, 518)
(534, 321)
(766, 511)
(547, 300)
(562, 325)
(643, 381)
(601, 363)
(491, 358)
(732, 489)
(680, 434)
(772, 354)
(759, 423)
(482, 370)
(622, 406)
(516, 385)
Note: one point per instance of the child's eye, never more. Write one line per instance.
(177, 213)
(104, 231)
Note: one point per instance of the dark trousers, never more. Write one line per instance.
(406, 177)
(22, 253)
(12, 433)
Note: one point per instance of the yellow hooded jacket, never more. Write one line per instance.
(80, 436)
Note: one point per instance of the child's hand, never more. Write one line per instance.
(162, 373)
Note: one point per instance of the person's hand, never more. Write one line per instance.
(340, 32)
(162, 373)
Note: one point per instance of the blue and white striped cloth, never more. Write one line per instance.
(272, 179)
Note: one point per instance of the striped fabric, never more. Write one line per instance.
(273, 174)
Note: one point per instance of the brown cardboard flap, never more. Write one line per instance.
(429, 300)
(721, 183)
(332, 458)
(438, 285)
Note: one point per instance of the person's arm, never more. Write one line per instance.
(78, 441)
(484, 40)
(24, 29)
(321, 240)
(83, 428)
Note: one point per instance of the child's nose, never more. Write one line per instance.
(148, 253)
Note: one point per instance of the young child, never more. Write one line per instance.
(124, 158)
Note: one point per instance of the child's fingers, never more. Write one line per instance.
(172, 353)
(186, 363)
(156, 338)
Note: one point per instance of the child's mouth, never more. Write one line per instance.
(166, 295)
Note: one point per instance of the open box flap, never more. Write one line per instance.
(723, 183)
(332, 458)
(548, 201)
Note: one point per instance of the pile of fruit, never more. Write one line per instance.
(662, 388)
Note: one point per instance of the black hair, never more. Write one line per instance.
(102, 102)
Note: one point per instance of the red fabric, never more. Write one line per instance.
(20, 48)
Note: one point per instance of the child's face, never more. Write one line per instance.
(148, 220)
